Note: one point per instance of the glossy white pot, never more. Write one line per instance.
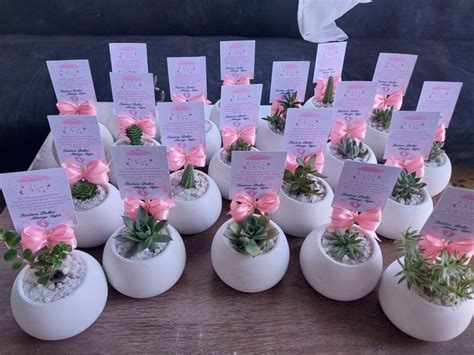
(397, 218)
(195, 216)
(333, 165)
(266, 138)
(336, 280)
(417, 317)
(68, 316)
(298, 218)
(145, 278)
(213, 141)
(94, 226)
(244, 272)
(215, 114)
(376, 140)
(437, 177)
(113, 126)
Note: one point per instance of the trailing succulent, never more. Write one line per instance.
(187, 180)
(351, 148)
(253, 236)
(436, 153)
(84, 190)
(407, 185)
(239, 145)
(143, 233)
(348, 243)
(278, 118)
(134, 135)
(382, 118)
(300, 181)
(447, 278)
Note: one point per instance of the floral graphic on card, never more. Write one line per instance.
(364, 186)
(133, 94)
(354, 100)
(39, 198)
(306, 131)
(187, 77)
(182, 124)
(240, 105)
(329, 60)
(393, 72)
(439, 96)
(411, 134)
(72, 80)
(237, 59)
(256, 173)
(289, 77)
(128, 57)
(142, 172)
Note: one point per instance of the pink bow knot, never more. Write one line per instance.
(440, 134)
(146, 125)
(36, 238)
(432, 247)
(231, 135)
(243, 206)
(321, 86)
(394, 100)
(292, 164)
(416, 164)
(178, 157)
(71, 108)
(95, 172)
(342, 129)
(367, 221)
(158, 208)
(197, 98)
(229, 80)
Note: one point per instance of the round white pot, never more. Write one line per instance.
(266, 138)
(333, 165)
(94, 226)
(336, 280)
(68, 316)
(244, 272)
(113, 126)
(145, 278)
(215, 114)
(397, 218)
(417, 317)
(437, 177)
(195, 216)
(376, 140)
(309, 103)
(213, 141)
(298, 218)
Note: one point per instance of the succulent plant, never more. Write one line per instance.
(252, 236)
(382, 117)
(143, 233)
(84, 190)
(300, 181)
(329, 93)
(347, 243)
(351, 148)
(407, 185)
(187, 180)
(290, 100)
(239, 145)
(134, 134)
(278, 118)
(436, 153)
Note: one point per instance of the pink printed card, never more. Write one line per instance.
(128, 57)
(187, 77)
(364, 186)
(411, 134)
(256, 173)
(77, 139)
(240, 105)
(72, 80)
(329, 60)
(237, 59)
(354, 100)
(133, 94)
(306, 131)
(40, 198)
(289, 77)
(393, 72)
(182, 124)
(142, 172)
(439, 96)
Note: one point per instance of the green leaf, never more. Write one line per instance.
(28, 255)
(43, 279)
(129, 223)
(10, 254)
(252, 248)
(17, 265)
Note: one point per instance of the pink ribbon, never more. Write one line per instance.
(415, 164)
(178, 157)
(394, 100)
(95, 172)
(321, 86)
(292, 164)
(367, 221)
(277, 107)
(433, 246)
(229, 80)
(440, 134)
(71, 108)
(231, 135)
(243, 205)
(342, 129)
(147, 125)
(157, 207)
(197, 98)
(36, 238)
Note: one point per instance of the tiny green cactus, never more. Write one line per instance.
(84, 190)
(347, 243)
(134, 134)
(436, 153)
(407, 185)
(300, 181)
(329, 93)
(187, 180)
(382, 118)
(351, 148)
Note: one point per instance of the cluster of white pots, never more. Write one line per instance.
(68, 316)
(376, 140)
(244, 272)
(266, 138)
(437, 177)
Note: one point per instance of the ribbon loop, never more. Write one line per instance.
(197, 98)
(231, 135)
(71, 108)
(432, 247)
(147, 125)
(36, 238)
(158, 208)
(342, 129)
(95, 172)
(229, 80)
(413, 165)
(382, 102)
(178, 157)
(440, 134)
(243, 206)
(368, 221)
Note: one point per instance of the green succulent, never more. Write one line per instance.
(300, 181)
(436, 153)
(351, 148)
(407, 185)
(187, 180)
(290, 100)
(277, 120)
(329, 93)
(251, 236)
(345, 243)
(239, 145)
(383, 117)
(84, 190)
(134, 134)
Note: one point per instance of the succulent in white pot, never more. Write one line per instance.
(437, 170)
(427, 293)
(60, 292)
(323, 93)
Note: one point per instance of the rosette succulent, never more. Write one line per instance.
(407, 186)
(351, 148)
(84, 190)
(345, 244)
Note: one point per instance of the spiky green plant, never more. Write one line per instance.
(351, 148)
(187, 180)
(239, 145)
(84, 190)
(143, 233)
(382, 117)
(448, 278)
(329, 93)
(347, 243)
(251, 236)
(407, 185)
(300, 181)
(134, 134)
(277, 119)
(436, 152)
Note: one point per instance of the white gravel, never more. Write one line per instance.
(334, 152)
(273, 128)
(145, 142)
(377, 125)
(434, 163)
(225, 156)
(194, 193)
(85, 205)
(346, 260)
(123, 247)
(415, 200)
(320, 104)
(302, 197)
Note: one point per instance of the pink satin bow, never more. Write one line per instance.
(440, 134)
(71, 108)
(367, 221)
(178, 157)
(36, 238)
(157, 207)
(292, 164)
(321, 85)
(197, 98)
(231, 135)
(382, 102)
(229, 80)
(277, 107)
(415, 164)
(433, 246)
(95, 172)
(243, 205)
(342, 129)
(147, 125)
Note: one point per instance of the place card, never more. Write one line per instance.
(439, 96)
(329, 60)
(77, 139)
(187, 77)
(237, 59)
(411, 134)
(142, 172)
(40, 198)
(393, 72)
(353, 101)
(240, 105)
(128, 57)
(72, 80)
(256, 173)
(289, 77)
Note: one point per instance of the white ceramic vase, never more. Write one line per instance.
(417, 317)
(336, 280)
(244, 272)
(68, 316)
(213, 141)
(376, 140)
(267, 139)
(215, 114)
(437, 177)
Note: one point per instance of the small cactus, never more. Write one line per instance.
(134, 134)
(187, 180)
(84, 190)
(351, 148)
(329, 93)
(382, 118)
